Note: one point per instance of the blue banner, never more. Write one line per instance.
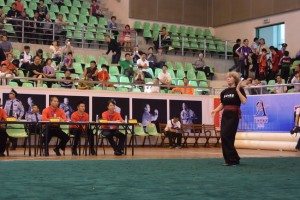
(269, 112)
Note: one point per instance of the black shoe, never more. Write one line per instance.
(93, 152)
(74, 152)
(2, 155)
(118, 153)
(56, 150)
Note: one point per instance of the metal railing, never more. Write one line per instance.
(42, 32)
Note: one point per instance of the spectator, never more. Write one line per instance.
(35, 27)
(47, 30)
(160, 58)
(255, 61)
(103, 75)
(95, 9)
(13, 13)
(49, 72)
(59, 3)
(165, 77)
(40, 54)
(5, 73)
(235, 56)
(200, 65)
(244, 52)
(126, 38)
(187, 89)
(275, 62)
(113, 27)
(67, 48)
(262, 44)
(173, 132)
(2, 19)
(143, 64)
(139, 77)
(6, 45)
(285, 63)
(263, 65)
(9, 63)
(60, 32)
(42, 9)
(68, 63)
(91, 72)
(164, 38)
(2, 55)
(278, 88)
(136, 54)
(56, 52)
(296, 82)
(283, 49)
(127, 66)
(151, 58)
(36, 69)
(25, 59)
(67, 81)
(19, 6)
(155, 87)
(115, 47)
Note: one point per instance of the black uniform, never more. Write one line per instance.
(229, 123)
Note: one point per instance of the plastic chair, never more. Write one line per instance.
(17, 131)
(28, 85)
(114, 71)
(53, 8)
(138, 25)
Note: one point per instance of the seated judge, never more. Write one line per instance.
(34, 116)
(173, 132)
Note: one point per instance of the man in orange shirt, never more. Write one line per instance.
(110, 131)
(184, 90)
(103, 75)
(3, 134)
(77, 130)
(53, 111)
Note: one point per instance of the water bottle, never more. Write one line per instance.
(54, 116)
(97, 118)
(126, 120)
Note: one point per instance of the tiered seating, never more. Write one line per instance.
(76, 12)
(192, 39)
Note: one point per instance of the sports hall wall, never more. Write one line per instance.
(246, 29)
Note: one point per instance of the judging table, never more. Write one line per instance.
(96, 127)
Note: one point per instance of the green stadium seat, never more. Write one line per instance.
(103, 21)
(178, 65)
(93, 20)
(207, 32)
(155, 27)
(173, 29)
(78, 68)
(9, 28)
(193, 83)
(180, 82)
(113, 79)
(53, 8)
(90, 58)
(201, 76)
(86, 4)
(100, 37)
(32, 5)
(170, 65)
(2, 3)
(76, 3)
(176, 45)
(89, 36)
(136, 90)
(157, 72)
(13, 84)
(64, 9)
(82, 19)
(147, 33)
(84, 12)
(74, 10)
(78, 35)
(122, 89)
(69, 34)
(147, 26)
(191, 75)
(79, 58)
(180, 74)
(138, 25)
(102, 60)
(189, 67)
(203, 87)
(27, 84)
(182, 31)
(114, 71)
(68, 3)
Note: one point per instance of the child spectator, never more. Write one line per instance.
(5, 73)
(68, 63)
(42, 9)
(103, 76)
(25, 59)
(127, 65)
(49, 71)
(112, 26)
(67, 80)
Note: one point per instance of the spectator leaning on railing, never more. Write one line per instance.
(296, 80)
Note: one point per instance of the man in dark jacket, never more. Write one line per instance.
(115, 47)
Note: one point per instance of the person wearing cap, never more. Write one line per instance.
(14, 108)
(3, 133)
